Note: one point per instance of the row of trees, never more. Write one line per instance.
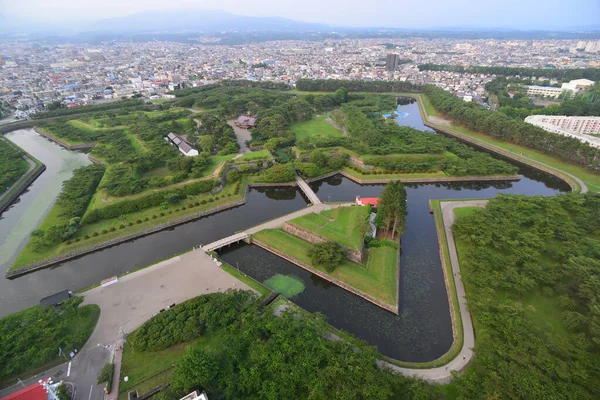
(331, 85)
(12, 165)
(561, 74)
(60, 112)
(501, 126)
(531, 267)
(78, 191)
(392, 208)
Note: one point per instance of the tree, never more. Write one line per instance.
(198, 368)
(391, 209)
(328, 254)
(206, 143)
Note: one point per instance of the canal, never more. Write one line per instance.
(421, 332)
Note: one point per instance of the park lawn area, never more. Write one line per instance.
(159, 101)
(28, 256)
(464, 211)
(428, 107)
(398, 176)
(148, 369)
(214, 162)
(317, 127)
(345, 225)
(93, 128)
(159, 172)
(255, 155)
(377, 276)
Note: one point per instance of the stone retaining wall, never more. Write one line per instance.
(267, 184)
(311, 237)
(359, 163)
(328, 278)
(82, 146)
(95, 160)
(318, 178)
(78, 253)
(31, 177)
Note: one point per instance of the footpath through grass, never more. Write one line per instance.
(345, 225)
(317, 127)
(376, 276)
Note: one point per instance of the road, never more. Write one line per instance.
(128, 304)
(444, 374)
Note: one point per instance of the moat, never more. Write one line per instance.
(422, 331)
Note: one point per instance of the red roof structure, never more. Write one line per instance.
(33, 392)
(367, 201)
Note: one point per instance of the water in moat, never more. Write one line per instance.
(422, 332)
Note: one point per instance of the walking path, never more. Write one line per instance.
(444, 374)
(312, 196)
(242, 135)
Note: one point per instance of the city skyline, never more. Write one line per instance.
(467, 14)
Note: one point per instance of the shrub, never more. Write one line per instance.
(104, 231)
(76, 240)
(95, 234)
(190, 205)
(146, 219)
(162, 214)
(86, 237)
(130, 223)
(202, 201)
(68, 242)
(210, 199)
(121, 226)
(112, 229)
(154, 217)
(196, 204)
(139, 221)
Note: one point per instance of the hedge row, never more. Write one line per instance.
(151, 200)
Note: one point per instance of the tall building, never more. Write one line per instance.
(577, 127)
(391, 62)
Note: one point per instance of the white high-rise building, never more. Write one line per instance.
(578, 127)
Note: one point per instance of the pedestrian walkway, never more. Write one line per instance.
(444, 374)
(312, 196)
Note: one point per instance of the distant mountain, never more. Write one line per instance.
(198, 21)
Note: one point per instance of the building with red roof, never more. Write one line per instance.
(37, 391)
(367, 201)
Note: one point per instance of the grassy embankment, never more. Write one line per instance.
(34, 334)
(591, 178)
(317, 127)
(13, 167)
(254, 156)
(148, 218)
(376, 276)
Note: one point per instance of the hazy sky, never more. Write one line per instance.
(522, 14)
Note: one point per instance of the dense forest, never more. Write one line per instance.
(262, 356)
(531, 267)
(560, 74)
(501, 126)
(12, 164)
(331, 85)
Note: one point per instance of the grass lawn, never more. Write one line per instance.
(317, 127)
(464, 211)
(214, 162)
(254, 284)
(345, 225)
(287, 285)
(159, 101)
(93, 128)
(417, 175)
(159, 172)
(428, 107)
(377, 276)
(29, 256)
(255, 155)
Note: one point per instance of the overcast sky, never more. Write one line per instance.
(521, 14)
